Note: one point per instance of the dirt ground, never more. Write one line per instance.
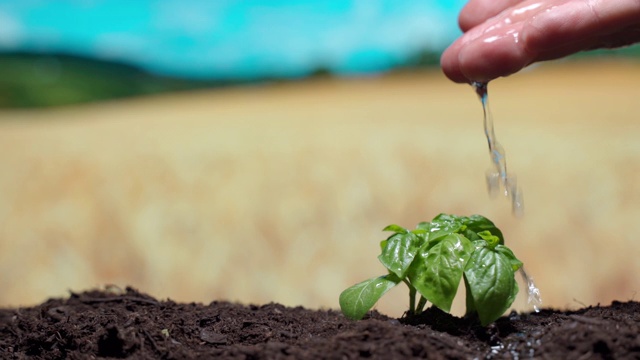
(130, 325)
(278, 192)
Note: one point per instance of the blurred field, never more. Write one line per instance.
(279, 192)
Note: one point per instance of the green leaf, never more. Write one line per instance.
(513, 260)
(443, 225)
(422, 236)
(491, 283)
(425, 225)
(399, 252)
(438, 268)
(479, 223)
(395, 228)
(383, 244)
(479, 244)
(420, 232)
(360, 298)
(491, 239)
(447, 218)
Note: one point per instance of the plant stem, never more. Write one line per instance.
(412, 300)
(421, 304)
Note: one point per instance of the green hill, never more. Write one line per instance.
(41, 80)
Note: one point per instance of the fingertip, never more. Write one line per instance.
(450, 65)
(473, 14)
(467, 20)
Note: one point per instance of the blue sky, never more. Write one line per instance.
(233, 39)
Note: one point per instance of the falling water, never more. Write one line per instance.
(499, 180)
(534, 298)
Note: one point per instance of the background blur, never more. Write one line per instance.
(252, 151)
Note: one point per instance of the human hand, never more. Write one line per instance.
(503, 36)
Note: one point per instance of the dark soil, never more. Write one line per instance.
(131, 325)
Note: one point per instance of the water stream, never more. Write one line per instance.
(500, 181)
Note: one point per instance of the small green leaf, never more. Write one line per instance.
(395, 228)
(360, 298)
(399, 252)
(491, 282)
(425, 225)
(478, 223)
(513, 260)
(443, 225)
(438, 268)
(491, 239)
(447, 218)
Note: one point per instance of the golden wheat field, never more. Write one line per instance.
(279, 192)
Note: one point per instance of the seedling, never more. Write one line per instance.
(432, 259)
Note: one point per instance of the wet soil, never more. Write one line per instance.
(127, 324)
